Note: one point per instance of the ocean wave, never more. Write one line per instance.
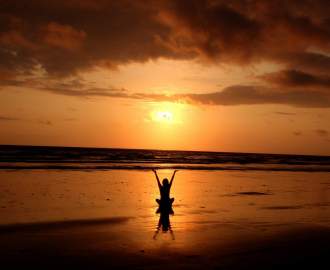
(127, 166)
(75, 158)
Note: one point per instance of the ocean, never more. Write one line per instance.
(44, 157)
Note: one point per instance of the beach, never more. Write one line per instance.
(164, 134)
(107, 218)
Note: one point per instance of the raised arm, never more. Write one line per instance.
(158, 182)
(173, 177)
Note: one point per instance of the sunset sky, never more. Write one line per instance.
(241, 75)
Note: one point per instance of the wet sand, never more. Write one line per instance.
(222, 220)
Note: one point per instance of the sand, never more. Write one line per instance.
(222, 220)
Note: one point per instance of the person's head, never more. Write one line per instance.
(165, 182)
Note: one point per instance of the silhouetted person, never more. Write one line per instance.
(165, 205)
(164, 189)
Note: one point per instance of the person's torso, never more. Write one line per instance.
(165, 192)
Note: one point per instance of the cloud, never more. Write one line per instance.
(307, 61)
(229, 96)
(249, 95)
(41, 122)
(322, 132)
(285, 113)
(89, 92)
(64, 37)
(45, 122)
(296, 78)
(297, 133)
(59, 39)
(70, 119)
(8, 118)
(72, 87)
(246, 95)
(212, 30)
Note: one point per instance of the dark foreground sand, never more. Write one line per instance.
(89, 245)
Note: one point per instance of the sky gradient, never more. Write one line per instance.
(243, 76)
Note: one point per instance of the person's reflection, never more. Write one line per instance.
(165, 205)
(164, 223)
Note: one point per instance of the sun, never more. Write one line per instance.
(163, 116)
(166, 114)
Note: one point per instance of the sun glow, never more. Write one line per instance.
(163, 116)
(166, 114)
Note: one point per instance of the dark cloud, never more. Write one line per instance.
(45, 122)
(249, 31)
(249, 95)
(89, 92)
(296, 78)
(67, 36)
(62, 38)
(307, 61)
(41, 122)
(245, 95)
(214, 30)
(297, 133)
(8, 118)
(322, 132)
(285, 113)
(74, 87)
(70, 119)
